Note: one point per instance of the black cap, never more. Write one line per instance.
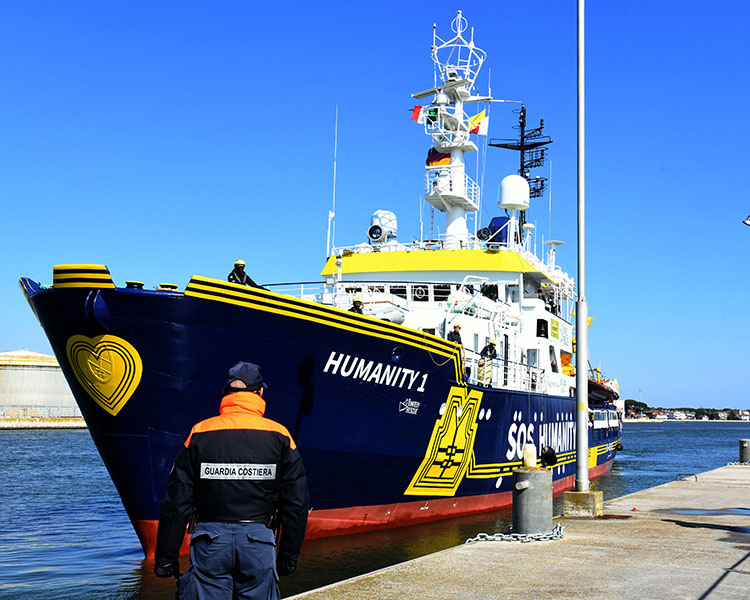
(249, 374)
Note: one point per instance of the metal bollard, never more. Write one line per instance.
(532, 501)
(745, 451)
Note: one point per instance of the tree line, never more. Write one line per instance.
(634, 406)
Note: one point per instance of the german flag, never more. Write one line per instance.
(436, 159)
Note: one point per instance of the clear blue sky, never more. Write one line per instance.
(166, 139)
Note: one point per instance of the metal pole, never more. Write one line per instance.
(582, 310)
(332, 213)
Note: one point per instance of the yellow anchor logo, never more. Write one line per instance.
(107, 367)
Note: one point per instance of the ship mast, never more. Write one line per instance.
(530, 145)
(448, 187)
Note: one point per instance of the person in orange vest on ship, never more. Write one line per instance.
(240, 476)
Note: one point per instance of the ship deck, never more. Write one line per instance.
(687, 539)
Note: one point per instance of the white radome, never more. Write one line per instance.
(513, 193)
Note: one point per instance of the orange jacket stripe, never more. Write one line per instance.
(241, 410)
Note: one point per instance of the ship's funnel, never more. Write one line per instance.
(513, 193)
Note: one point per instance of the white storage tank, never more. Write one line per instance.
(32, 386)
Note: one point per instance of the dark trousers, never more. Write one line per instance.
(230, 560)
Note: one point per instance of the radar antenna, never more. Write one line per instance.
(530, 144)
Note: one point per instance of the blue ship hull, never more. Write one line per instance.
(389, 432)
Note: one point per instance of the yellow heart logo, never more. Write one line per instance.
(107, 367)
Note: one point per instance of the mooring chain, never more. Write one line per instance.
(555, 534)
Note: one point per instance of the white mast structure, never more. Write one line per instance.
(449, 189)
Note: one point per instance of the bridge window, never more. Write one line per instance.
(489, 290)
(441, 292)
(399, 290)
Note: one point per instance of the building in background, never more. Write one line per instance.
(32, 386)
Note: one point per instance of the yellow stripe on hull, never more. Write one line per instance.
(263, 300)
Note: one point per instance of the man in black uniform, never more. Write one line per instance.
(234, 473)
(455, 335)
(356, 306)
(490, 349)
(238, 275)
(484, 366)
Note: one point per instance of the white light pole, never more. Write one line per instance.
(582, 310)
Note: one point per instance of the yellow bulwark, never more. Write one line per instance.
(430, 260)
(266, 301)
(88, 276)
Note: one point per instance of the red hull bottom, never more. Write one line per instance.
(358, 519)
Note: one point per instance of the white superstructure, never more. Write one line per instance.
(491, 283)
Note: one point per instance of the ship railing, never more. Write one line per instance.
(446, 180)
(374, 294)
(504, 374)
(305, 290)
(457, 300)
(472, 244)
(470, 299)
(438, 243)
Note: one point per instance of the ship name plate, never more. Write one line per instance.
(356, 367)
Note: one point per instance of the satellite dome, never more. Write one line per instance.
(513, 193)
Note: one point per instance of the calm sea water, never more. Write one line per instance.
(64, 534)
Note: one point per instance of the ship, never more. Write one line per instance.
(396, 423)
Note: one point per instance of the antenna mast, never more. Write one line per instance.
(332, 212)
(530, 145)
(449, 189)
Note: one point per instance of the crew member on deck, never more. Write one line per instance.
(455, 335)
(238, 275)
(356, 306)
(484, 366)
(490, 349)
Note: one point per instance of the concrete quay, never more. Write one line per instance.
(688, 539)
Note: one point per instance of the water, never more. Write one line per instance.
(64, 534)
